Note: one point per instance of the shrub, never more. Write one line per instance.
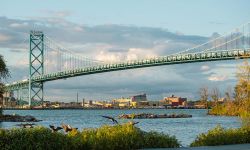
(38, 138)
(159, 140)
(221, 136)
(111, 137)
(124, 136)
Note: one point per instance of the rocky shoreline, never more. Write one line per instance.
(152, 116)
(18, 118)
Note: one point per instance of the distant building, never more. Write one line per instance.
(133, 101)
(139, 98)
(8, 100)
(222, 100)
(175, 101)
(121, 102)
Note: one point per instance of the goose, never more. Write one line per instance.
(55, 129)
(26, 125)
(68, 128)
(111, 118)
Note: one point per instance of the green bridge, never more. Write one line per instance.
(166, 60)
(234, 45)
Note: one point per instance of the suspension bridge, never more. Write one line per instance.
(48, 61)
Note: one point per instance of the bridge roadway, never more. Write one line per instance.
(165, 60)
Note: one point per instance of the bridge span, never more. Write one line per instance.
(43, 51)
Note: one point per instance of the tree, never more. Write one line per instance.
(4, 72)
(242, 92)
(242, 89)
(204, 95)
(228, 94)
(215, 94)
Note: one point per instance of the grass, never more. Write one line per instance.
(124, 136)
(38, 138)
(222, 136)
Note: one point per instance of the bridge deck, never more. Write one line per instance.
(166, 60)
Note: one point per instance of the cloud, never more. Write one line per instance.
(205, 68)
(4, 38)
(57, 14)
(217, 78)
(19, 25)
(18, 50)
(216, 22)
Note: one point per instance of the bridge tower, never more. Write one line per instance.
(36, 65)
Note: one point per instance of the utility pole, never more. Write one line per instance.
(77, 97)
(83, 101)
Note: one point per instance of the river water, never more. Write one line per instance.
(185, 129)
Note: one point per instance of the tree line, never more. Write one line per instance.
(237, 102)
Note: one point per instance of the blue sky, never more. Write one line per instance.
(114, 30)
(199, 17)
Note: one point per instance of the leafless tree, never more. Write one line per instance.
(228, 94)
(204, 95)
(215, 95)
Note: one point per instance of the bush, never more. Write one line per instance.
(38, 138)
(106, 137)
(159, 140)
(111, 137)
(124, 136)
(221, 136)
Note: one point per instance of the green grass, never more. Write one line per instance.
(120, 137)
(222, 136)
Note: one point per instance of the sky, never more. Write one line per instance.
(118, 30)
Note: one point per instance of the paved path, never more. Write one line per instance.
(223, 147)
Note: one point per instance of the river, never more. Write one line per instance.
(185, 129)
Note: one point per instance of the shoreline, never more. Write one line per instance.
(94, 108)
(217, 147)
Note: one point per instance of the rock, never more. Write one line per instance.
(152, 116)
(17, 118)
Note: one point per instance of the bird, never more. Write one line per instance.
(111, 118)
(26, 125)
(68, 128)
(55, 129)
(133, 123)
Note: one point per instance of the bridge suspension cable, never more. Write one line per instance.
(59, 59)
(234, 39)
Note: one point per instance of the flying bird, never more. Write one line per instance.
(111, 118)
(133, 123)
(26, 125)
(68, 128)
(55, 129)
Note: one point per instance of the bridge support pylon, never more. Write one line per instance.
(36, 65)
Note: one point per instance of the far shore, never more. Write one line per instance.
(92, 108)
